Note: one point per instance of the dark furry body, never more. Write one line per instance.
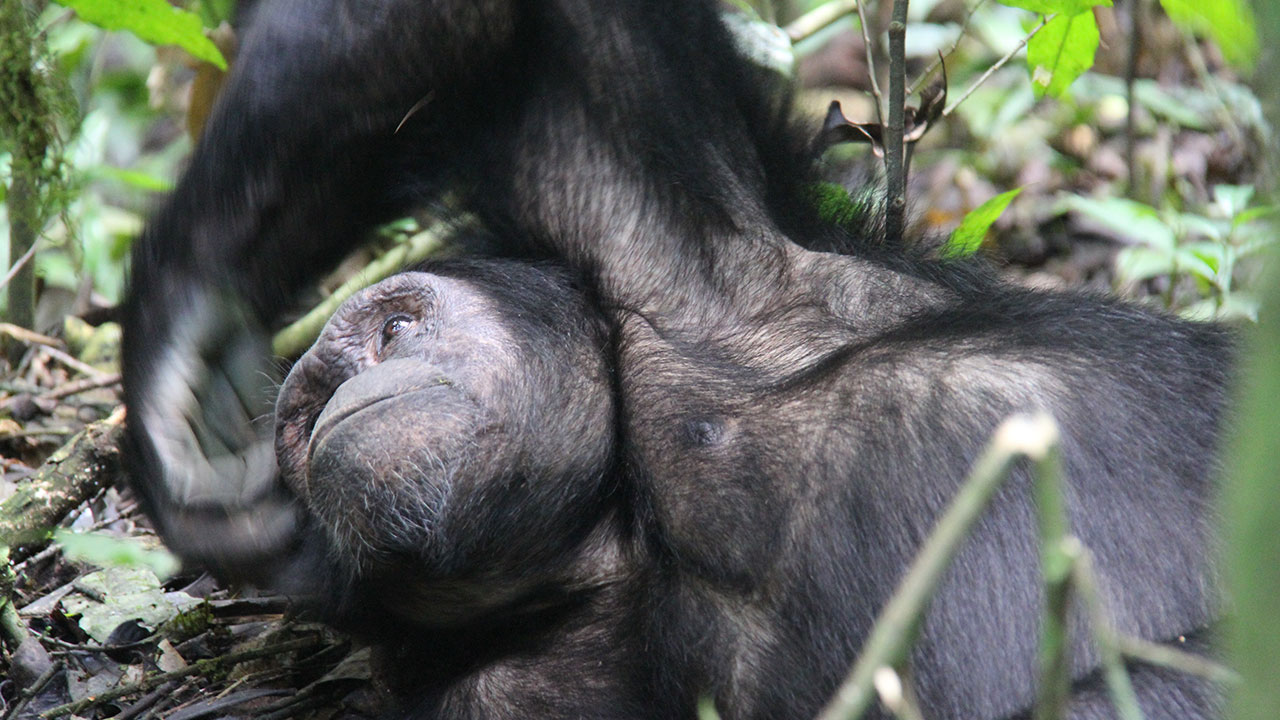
(789, 422)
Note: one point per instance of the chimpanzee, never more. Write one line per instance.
(451, 435)
(721, 501)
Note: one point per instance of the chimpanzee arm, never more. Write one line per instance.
(295, 163)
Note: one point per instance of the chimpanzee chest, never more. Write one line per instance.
(696, 445)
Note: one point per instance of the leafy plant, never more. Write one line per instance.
(155, 21)
(968, 237)
(1063, 47)
(1207, 248)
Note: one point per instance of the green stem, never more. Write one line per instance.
(894, 629)
(1058, 553)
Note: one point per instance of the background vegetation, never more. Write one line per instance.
(1119, 149)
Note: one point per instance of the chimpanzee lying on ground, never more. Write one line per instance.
(726, 509)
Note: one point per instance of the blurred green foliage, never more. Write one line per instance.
(1206, 247)
(154, 21)
(123, 144)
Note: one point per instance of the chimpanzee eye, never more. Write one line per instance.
(395, 326)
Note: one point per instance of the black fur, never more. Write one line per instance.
(789, 423)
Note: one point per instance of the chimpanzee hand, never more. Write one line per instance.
(200, 390)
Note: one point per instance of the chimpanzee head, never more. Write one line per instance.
(452, 432)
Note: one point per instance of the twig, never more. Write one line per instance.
(39, 432)
(77, 365)
(198, 667)
(1137, 9)
(217, 707)
(1196, 58)
(294, 707)
(818, 18)
(1058, 555)
(79, 386)
(1113, 669)
(35, 689)
(999, 64)
(30, 337)
(892, 633)
(146, 702)
(895, 168)
(17, 266)
(933, 66)
(871, 64)
(295, 338)
(1175, 659)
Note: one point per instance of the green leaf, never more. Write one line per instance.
(107, 551)
(155, 21)
(1229, 22)
(1134, 264)
(118, 594)
(1253, 214)
(1191, 225)
(1252, 243)
(1201, 259)
(1056, 7)
(1061, 52)
(966, 239)
(132, 178)
(1125, 218)
(1232, 199)
(1240, 305)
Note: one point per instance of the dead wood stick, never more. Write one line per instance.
(82, 467)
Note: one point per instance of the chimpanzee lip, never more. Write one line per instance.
(323, 429)
(333, 421)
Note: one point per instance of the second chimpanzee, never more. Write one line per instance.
(789, 423)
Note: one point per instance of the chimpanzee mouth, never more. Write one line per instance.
(328, 421)
(325, 425)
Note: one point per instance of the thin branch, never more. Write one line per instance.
(79, 386)
(933, 66)
(198, 667)
(1137, 8)
(999, 64)
(17, 266)
(818, 18)
(893, 631)
(1175, 659)
(74, 363)
(871, 64)
(1113, 668)
(1058, 554)
(30, 337)
(895, 168)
